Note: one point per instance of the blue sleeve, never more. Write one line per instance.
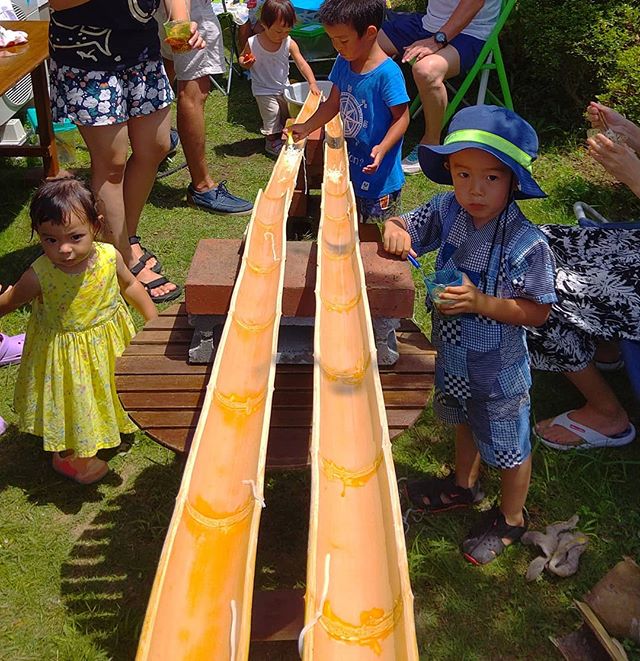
(394, 90)
(532, 270)
(336, 71)
(424, 225)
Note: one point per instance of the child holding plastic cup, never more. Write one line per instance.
(482, 369)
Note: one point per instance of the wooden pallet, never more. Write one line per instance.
(163, 393)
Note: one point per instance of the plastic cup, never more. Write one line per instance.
(438, 281)
(178, 35)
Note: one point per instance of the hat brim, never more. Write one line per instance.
(432, 161)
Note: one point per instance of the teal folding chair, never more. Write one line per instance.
(490, 59)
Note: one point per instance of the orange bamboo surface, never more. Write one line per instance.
(359, 603)
(200, 604)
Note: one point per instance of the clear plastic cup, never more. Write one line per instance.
(178, 35)
(438, 281)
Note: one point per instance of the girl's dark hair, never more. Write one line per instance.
(278, 10)
(359, 14)
(56, 200)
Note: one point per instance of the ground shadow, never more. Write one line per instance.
(106, 580)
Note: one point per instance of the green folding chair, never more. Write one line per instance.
(489, 59)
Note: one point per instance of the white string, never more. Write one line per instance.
(254, 489)
(323, 598)
(232, 634)
(272, 238)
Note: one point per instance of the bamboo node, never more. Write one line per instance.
(350, 478)
(246, 405)
(222, 521)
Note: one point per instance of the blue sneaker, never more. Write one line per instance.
(410, 163)
(218, 200)
(174, 143)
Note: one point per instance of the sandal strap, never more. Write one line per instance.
(137, 267)
(158, 282)
(434, 488)
(134, 240)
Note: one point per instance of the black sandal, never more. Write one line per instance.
(146, 255)
(435, 488)
(484, 542)
(158, 282)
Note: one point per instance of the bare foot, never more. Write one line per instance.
(147, 275)
(609, 425)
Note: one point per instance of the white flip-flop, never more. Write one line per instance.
(590, 437)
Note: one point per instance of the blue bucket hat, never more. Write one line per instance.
(496, 130)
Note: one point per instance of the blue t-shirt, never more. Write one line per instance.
(105, 35)
(365, 102)
(477, 356)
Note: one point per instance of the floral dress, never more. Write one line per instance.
(65, 391)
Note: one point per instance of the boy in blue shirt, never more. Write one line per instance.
(370, 94)
(482, 376)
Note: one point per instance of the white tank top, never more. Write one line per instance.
(270, 72)
(439, 11)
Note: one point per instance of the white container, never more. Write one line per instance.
(12, 133)
(296, 93)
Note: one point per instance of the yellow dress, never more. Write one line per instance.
(65, 390)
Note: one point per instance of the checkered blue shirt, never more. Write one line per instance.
(478, 356)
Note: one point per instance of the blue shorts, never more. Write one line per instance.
(378, 210)
(500, 427)
(405, 28)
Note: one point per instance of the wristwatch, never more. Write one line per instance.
(441, 39)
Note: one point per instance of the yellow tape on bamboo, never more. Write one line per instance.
(341, 307)
(245, 405)
(375, 625)
(351, 378)
(350, 478)
(222, 521)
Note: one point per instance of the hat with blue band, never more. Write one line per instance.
(496, 130)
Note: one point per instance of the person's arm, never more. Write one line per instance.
(396, 239)
(326, 111)
(467, 298)
(461, 16)
(619, 161)
(399, 124)
(133, 292)
(26, 289)
(180, 10)
(247, 58)
(303, 67)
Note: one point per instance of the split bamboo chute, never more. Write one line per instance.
(359, 604)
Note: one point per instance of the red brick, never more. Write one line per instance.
(217, 262)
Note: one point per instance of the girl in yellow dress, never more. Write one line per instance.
(79, 324)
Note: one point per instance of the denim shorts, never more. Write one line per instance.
(403, 29)
(100, 98)
(378, 210)
(500, 427)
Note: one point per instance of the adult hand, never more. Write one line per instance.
(377, 155)
(619, 161)
(396, 239)
(465, 298)
(615, 121)
(421, 48)
(196, 41)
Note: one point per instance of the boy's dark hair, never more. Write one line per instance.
(278, 10)
(56, 200)
(359, 14)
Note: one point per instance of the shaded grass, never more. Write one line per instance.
(77, 563)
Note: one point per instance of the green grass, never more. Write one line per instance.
(76, 563)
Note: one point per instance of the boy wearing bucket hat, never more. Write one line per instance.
(482, 369)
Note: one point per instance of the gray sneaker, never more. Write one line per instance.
(410, 163)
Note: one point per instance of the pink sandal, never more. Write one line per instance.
(11, 349)
(83, 471)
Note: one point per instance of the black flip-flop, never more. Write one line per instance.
(484, 543)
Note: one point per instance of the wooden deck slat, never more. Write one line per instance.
(163, 393)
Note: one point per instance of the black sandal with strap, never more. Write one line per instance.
(443, 494)
(158, 282)
(484, 542)
(146, 255)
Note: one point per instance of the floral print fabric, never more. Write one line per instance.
(100, 98)
(66, 385)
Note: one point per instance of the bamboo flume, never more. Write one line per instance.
(359, 604)
(200, 604)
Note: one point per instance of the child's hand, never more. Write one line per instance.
(377, 155)
(299, 132)
(247, 60)
(314, 89)
(396, 239)
(464, 298)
